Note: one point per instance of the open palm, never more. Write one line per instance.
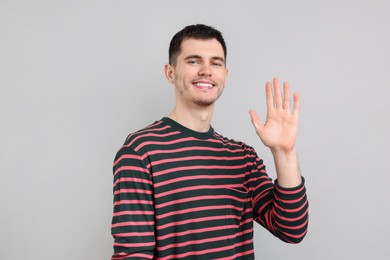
(280, 129)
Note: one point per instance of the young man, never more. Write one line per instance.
(183, 191)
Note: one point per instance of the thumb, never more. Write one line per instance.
(255, 120)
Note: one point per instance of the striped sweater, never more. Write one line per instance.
(181, 194)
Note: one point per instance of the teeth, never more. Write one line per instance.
(204, 85)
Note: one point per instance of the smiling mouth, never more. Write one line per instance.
(203, 85)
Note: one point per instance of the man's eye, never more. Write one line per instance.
(218, 64)
(192, 61)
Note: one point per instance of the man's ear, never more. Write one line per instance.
(169, 73)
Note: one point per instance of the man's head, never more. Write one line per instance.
(198, 32)
(197, 67)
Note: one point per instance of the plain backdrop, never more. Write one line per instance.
(77, 77)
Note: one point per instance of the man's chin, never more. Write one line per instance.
(205, 103)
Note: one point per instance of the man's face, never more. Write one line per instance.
(199, 73)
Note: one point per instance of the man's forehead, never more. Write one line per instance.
(201, 47)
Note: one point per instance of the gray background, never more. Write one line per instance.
(78, 76)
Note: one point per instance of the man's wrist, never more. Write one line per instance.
(287, 168)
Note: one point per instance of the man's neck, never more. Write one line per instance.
(198, 119)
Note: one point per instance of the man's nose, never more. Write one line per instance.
(205, 70)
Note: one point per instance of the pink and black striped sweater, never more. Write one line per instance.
(181, 194)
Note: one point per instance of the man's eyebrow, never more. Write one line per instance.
(218, 58)
(194, 56)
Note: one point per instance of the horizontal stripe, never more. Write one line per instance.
(194, 220)
(207, 251)
(181, 140)
(198, 167)
(133, 212)
(132, 191)
(197, 177)
(135, 234)
(152, 135)
(141, 244)
(289, 235)
(197, 198)
(291, 201)
(195, 242)
(148, 129)
(127, 156)
(290, 192)
(197, 209)
(189, 148)
(132, 180)
(286, 218)
(135, 256)
(174, 191)
(131, 168)
(195, 231)
(294, 227)
(251, 251)
(142, 202)
(294, 210)
(195, 158)
(133, 223)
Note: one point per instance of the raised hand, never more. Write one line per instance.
(280, 129)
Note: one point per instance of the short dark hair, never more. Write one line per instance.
(197, 31)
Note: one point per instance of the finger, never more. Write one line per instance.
(287, 98)
(269, 96)
(277, 94)
(296, 104)
(255, 120)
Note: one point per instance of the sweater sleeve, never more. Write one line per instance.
(282, 211)
(133, 211)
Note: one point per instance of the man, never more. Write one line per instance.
(183, 191)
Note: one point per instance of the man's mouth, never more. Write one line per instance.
(203, 85)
